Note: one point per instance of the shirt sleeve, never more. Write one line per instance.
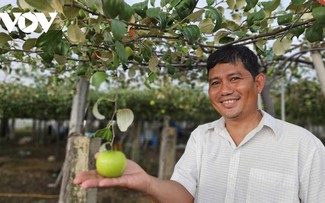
(312, 181)
(185, 171)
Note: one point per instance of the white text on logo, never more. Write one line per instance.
(34, 18)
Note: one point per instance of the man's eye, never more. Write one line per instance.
(214, 83)
(234, 78)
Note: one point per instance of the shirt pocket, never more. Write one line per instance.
(270, 187)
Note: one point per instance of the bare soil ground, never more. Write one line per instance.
(26, 172)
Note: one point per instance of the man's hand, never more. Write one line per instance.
(134, 177)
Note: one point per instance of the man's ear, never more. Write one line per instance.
(260, 81)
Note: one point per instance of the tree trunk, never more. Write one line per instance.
(135, 153)
(4, 131)
(90, 127)
(34, 127)
(319, 67)
(78, 107)
(167, 151)
(39, 130)
(267, 99)
(12, 133)
(77, 149)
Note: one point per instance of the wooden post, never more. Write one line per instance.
(12, 133)
(76, 160)
(167, 150)
(135, 153)
(77, 149)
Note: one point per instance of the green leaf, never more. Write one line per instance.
(152, 77)
(185, 8)
(280, 46)
(47, 41)
(105, 134)
(70, 12)
(285, 19)
(231, 3)
(118, 29)
(297, 31)
(252, 18)
(173, 3)
(298, 2)
(120, 51)
(171, 69)
(271, 5)
(220, 34)
(75, 35)
(314, 33)
(250, 4)
(163, 3)
(195, 15)
(215, 15)
(60, 59)
(240, 34)
(240, 4)
(22, 4)
(62, 48)
(4, 38)
(140, 8)
(98, 78)
(124, 118)
(81, 70)
(191, 33)
(225, 40)
(112, 8)
(153, 63)
(146, 53)
(93, 5)
(56, 5)
(210, 2)
(46, 5)
(319, 14)
(132, 71)
(153, 12)
(206, 26)
(29, 44)
(126, 12)
(47, 57)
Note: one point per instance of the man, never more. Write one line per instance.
(245, 156)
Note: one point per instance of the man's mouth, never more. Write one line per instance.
(230, 101)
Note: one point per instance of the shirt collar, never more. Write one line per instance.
(271, 122)
(267, 120)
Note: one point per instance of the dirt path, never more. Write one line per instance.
(26, 172)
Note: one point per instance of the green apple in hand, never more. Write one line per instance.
(111, 163)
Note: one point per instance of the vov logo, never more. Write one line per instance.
(34, 18)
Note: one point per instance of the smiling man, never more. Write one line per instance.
(245, 156)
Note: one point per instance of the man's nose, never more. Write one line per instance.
(226, 88)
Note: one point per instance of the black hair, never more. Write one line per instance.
(232, 54)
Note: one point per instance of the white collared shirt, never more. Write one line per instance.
(277, 162)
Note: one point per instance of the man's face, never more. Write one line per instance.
(233, 91)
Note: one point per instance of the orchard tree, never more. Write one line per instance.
(107, 38)
(167, 37)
